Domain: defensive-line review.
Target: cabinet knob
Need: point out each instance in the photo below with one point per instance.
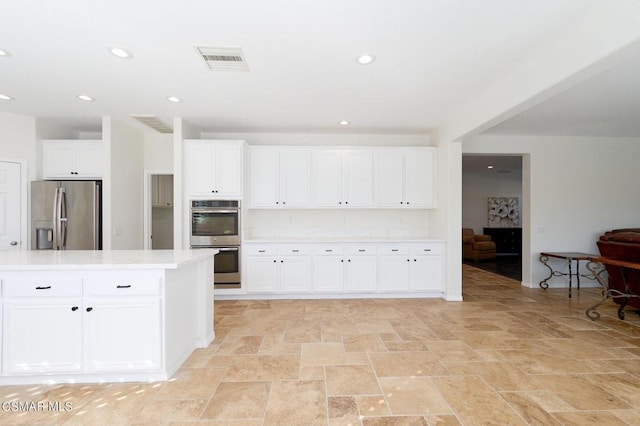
(89, 309)
(408, 260)
(14, 243)
(74, 308)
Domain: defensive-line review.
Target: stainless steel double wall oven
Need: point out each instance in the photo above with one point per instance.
(216, 224)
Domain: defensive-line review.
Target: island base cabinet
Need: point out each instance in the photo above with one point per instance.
(43, 336)
(123, 334)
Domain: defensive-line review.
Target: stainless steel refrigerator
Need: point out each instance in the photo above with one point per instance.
(66, 215)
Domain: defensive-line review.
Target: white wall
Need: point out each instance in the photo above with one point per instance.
(158, 152)
(478, 186)
(18, 141)
(123, 188)
(574, 189)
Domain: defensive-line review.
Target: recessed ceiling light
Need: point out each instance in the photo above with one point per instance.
(365, 59)
(489, 167)
(344, 123)
(85, 98)
(120, 52)
(5, 97)
(174, 99)
(4, 53)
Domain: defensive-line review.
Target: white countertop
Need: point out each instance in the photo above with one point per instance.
(311, 240)
(41, 260)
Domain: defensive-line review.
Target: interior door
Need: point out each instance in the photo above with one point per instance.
(10, 203)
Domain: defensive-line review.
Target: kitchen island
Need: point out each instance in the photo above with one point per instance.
(102, 316)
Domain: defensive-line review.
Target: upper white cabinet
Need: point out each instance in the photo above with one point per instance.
(72, 159)
(317, 177)
(342, 178)
(279, 177)
(213, 169)
(404, 177)
(162, 191)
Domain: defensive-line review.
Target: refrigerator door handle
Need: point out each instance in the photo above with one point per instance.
(63, 219)
(56, 230)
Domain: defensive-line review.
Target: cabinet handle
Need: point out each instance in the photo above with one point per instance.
(394, 249)
(361, 250)
(74, 308)
(328, 251)
(43, 287)
(261, 251)
(89, 309)
(427, 249)
(124, 286)
(295, 251)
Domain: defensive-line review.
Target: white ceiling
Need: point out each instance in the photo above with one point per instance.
(432, 55)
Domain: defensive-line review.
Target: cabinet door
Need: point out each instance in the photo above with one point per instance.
(388, 173)
(357, 178)
(393, 273)
(361, 273)
(228, 169)
(295, 273)
(327, 178)
(123, 334)
(88, 160)
(262, 273)
(328, 273)
(419, 178)
(426, 273)
(295, 165)
(199, 169)
(264, 166)
(59, 160)
(42, 336)
(165, 190)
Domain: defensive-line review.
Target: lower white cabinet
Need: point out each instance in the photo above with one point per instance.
(81, 324)
(123, 334)
(42, 335)
(286, 269)
(349, 268)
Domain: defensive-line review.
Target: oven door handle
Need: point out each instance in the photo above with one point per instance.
(214, 211)
(227, 249)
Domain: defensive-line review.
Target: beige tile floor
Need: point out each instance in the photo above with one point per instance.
(504, 356)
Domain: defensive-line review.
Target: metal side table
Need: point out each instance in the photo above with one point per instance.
(570, 257)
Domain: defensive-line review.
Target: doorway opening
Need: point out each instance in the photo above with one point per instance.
(492, 204)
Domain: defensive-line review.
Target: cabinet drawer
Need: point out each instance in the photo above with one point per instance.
(42, 287)
(393, 249)
(301, 250)
(427, 249)
(123, 285)
(361, 249)
(328, 250)
(252, 250)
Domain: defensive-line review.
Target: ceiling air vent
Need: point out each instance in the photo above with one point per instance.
(153, 122)
(223, 58)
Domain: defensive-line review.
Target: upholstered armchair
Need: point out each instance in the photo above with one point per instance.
(477, 247)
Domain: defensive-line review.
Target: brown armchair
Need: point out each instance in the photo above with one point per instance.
(477, 247)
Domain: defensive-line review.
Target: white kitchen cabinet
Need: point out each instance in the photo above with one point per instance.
(342, 178)
(328, 268)
(426, 267)
(42, 335)
(72, 159)
(279, 177)
(278, 268)
(394, 265)
(123, 334)
(410, 267)
(213, 169)
(404, 177)
(162, 191)
(361, 268)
